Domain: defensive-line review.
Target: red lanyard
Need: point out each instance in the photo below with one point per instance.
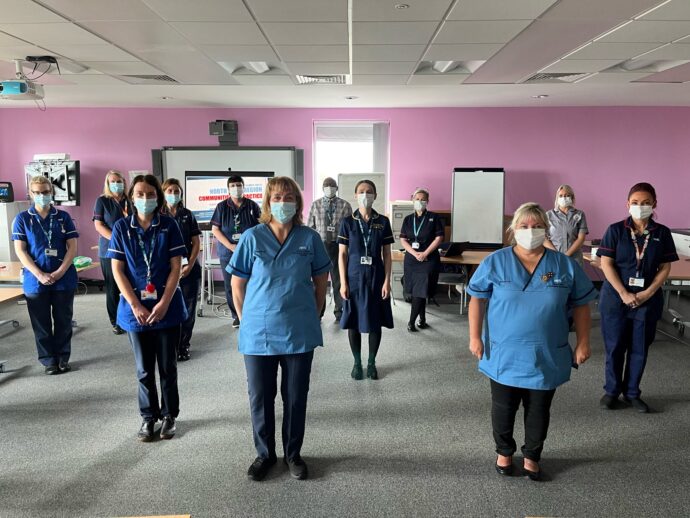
(639, 254)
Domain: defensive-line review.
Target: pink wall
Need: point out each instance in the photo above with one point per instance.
(601, 152)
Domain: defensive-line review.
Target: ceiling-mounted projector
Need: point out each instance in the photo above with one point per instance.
(21, 90)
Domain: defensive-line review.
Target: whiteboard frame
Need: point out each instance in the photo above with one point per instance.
(460, 220)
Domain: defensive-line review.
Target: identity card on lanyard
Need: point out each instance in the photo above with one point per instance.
(415, 243)
(638, 281)
(330, 215)
(236, 234)
(366, 238)
(149, 292)
(50, 251)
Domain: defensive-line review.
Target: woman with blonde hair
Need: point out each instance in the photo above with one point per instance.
(567, 225)
(110, 207)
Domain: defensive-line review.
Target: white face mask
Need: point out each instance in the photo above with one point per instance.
(530, 238)
(419, 205)
(365, 200)
(236, 192)
(565, 201)
(641, 211)
(329, 191)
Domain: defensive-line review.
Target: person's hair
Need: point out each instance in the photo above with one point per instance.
(643, 187)
(282, 184)
(529, 210)
(41, 180)
(235, 178)
(106, 184)
(568, 190)
(421, 190)
(329, 182)
(368, 182)
(153, 182)
(173, 181)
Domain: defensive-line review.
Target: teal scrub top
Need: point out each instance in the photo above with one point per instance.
(526, 325)
(279, 315)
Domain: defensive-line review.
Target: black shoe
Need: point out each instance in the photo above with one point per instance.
(506, 471)
(259, 468)
(372, 372)
(168, 429)
(118, 330)
(638, 404)
(146, 431)
(422, 324)
(411, 328)
(608, 402)
(298, 468)
(357, 372)
(236, 323)
(64, 367)
(532, 475)
(183, 356)
(52, 369)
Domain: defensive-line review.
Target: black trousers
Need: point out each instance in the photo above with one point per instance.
(227, 278)
(112, 292)
(151, 347)
(190, 292)
(50, 313)
(332, 249)
(505, 401)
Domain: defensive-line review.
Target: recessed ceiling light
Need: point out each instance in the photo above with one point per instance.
(166, 98)
(351, 97)
(540, 96)
(402, 6)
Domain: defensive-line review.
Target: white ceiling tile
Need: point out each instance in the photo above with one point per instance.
(299, 10)
(591, 10)
(188, 66)
(306, 33)
(27, 11)
(612, 78)
(80, 10)
(671, 52)
(392, 33)
(675, 10)
(221, 33)
(239, 52)
(138, 36)
(313, 52)
(379, 80)
(319, 68)
(123, 67)
(581, 65)
(92, 52)
(93, 79)
(263, 80)
(383, 67)
(20, 52)
(200, 10)
(649, 31)
(48, 33)
(600, 50)
(385, 11)
(462, 52)
(498, 31)
(387, 52)
(499, 9)
(8, 41)
(437, 79)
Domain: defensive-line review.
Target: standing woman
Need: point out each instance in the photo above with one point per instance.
(146, 250)
(567, 225)
(190, 275)
(421, 234)
(523, 348)
(111, 206)
(364, 260)
(636, 256)
(45, 241)
(279, 276)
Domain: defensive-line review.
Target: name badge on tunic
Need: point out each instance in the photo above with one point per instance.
(149, 295)
(330, 229)
(365, 259)
(236, 237)
(636, 281)
(415, 245)
(185, 261)
(51, 252)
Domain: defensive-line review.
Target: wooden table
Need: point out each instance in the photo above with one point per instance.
(8, 294)
(11, 273)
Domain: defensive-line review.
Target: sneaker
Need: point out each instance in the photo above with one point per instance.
(168, 429)
(422, 324)
(52, 369)
(146, 431)
(236, 323)
(117, 330)
(357, 372)
(298, 468)
(638, 404)
(64, 367)
(260, 467)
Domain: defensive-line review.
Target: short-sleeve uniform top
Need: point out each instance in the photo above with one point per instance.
(189, 228)
(165, 238)
(233, 220)
(40, 235)
(618, 244)
(564, 229)
(365, 310)
(108, 211)
(526, 327)
(279, 315)
(423, 230)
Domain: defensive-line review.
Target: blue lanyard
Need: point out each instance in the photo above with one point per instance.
(414, 224)
(365, 238)
(49, 234)
(147, 258)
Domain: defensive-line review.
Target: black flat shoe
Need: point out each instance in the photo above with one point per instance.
(422, 324)
(532, 475)
(637, 404)
(506, 471)
(183, 356)
(64, 367)
(297, 467)
(608, 402)
(411, 328)
(52, 369)
(357, 372)
(146, 430)
(259, 468)
(372, 373)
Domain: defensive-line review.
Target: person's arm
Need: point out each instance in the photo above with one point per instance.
(218, 234)
(582, 319)
(659, 280)
(311, 220)
(430, 249)
(475, 318)
(187, 268)
(387, 268)
(320, 286)
(70, 254)
(28, 263)
(608, 265)
(342, 269)
(103, 229)
(239, 289)
(577, 244)
(161, 308)
(140, 312)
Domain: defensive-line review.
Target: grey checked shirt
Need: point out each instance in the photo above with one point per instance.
(328, 212)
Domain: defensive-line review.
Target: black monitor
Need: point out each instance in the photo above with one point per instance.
(6, 192)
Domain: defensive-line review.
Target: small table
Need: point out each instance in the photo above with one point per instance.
(8, 294)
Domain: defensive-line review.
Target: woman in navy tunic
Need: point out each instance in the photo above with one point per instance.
(636, 256)
(421, 234)
(364, 260)
(110, 207)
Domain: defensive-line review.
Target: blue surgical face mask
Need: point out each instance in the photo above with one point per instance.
(283, 211)
(146, 206)
(173, 199)
(43, 200)
(116, 187)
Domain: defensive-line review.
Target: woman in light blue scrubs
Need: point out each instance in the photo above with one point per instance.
(518, 320)
(279, 275)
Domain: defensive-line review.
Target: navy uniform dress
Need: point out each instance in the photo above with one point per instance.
(50, 307)
(628, 332)
(366, 311)
(421, 277)
(109, 211)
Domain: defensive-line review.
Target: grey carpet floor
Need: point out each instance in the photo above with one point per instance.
(415, 443)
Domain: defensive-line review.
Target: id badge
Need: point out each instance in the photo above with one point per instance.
(185, 261)
(636, 281)
(366, 259)
(51, 252)
(236, 237)
(415, 245)
(149, 295)
(330, 229)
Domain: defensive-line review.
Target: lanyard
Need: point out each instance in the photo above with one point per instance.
(330, 210)
(49, 234)
(639, 254)
(147, 258)
(365, 238)
(414, 225)
(237, 221)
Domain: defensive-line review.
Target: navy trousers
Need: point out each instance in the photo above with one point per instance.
(190, 292)
(151, 347)
(112, 292)
(50, 313)
(262, 373)
(626, 341)
(228, 288)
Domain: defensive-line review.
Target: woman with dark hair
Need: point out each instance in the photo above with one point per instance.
(636, 256)
(146, 250)
(364, 260)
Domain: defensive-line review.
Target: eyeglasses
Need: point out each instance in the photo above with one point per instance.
(44, 193)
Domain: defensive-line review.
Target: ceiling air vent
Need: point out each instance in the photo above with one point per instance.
(562, 77)
(145, 79)
(337, 79)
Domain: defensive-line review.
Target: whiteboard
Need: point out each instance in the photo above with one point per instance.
(478, 205)
(346, 189)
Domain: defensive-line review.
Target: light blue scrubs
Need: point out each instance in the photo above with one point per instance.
(526, 325)
(279, 315)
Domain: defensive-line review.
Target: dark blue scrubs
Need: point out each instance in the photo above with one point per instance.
(421, 277)
(366, 311)
(628, 332)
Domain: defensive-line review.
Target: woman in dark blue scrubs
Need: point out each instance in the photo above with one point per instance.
(110, 207)
(45, 241)
(190, 275)
(636, 256)
(364, 260)
(146, 249)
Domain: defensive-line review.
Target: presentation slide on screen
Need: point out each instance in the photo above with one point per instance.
(203, 193)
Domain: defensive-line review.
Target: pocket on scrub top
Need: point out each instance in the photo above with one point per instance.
(517, 357)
